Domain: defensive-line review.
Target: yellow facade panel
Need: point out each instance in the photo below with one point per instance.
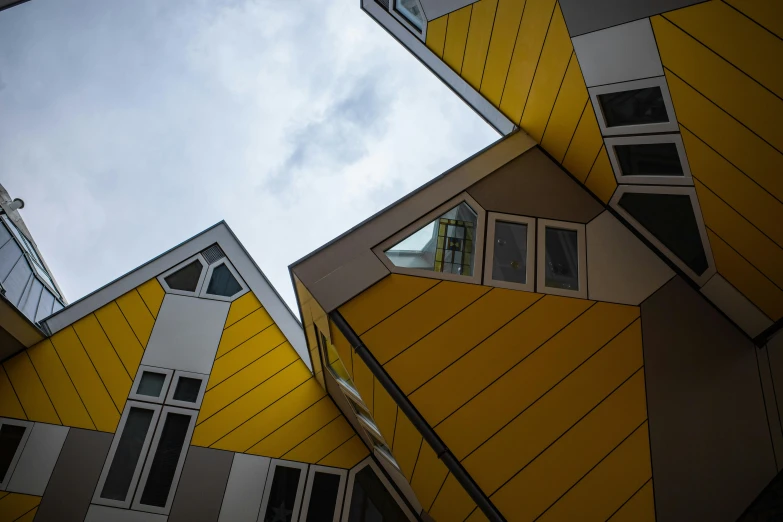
(763, 12)
(407, 442)
(606, 487)
(464, 379)
(96, 398)
(16, 505)
(347, 455)
(482, 19)
(29, 516)
(137, 314)
(121, 337)
(9, 403)
(457, 37)
(453, 502)
(536, 487)
(241, 308)
(245, 354)
(344, 349)
(419, 317)
(152, 294)
(639, 508)
(59, 386)
(428, 476)
(457, 336)
(585, 145)
(436, 35)
(566, 113)
(601, 180)
(385, 412)
(363, 379)
(555, 57)
(243, 330)
(106, 361)
(297, 429)
(501, 47)
(322, 442)
(529, 380)
(29, 390)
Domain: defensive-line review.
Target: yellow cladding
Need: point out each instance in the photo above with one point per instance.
(455, 337)
(765, 13)
(322, 442)
(243, 330)
(501, 47)
(152, 294)
(718, 80)
(639, 508)
(297, 429)
(566, 113)
(457, 37)
(601, 180)
(347, 455)
(137, 314)
(555, 57)
(363, 380)
(14, 506)
(428, 476)
(121, 336)
(585, 145)
(246, 353)
(383, 299)
(540, 484)
(527, 49)
(407, 441)
(606, 487)
(59, 386)
(343, 348)
(29, 516)
(9, 403)
(105, 359)
(385, 414)
(533, 377)
(482, 19)
(436, 35)
(419, 317)
(468, 376)
(241, 308)
(91, 389)
(28, 388)
(453, 502)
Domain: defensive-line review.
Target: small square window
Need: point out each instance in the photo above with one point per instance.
(562, 260)
(635, 107)
(187, 389)
(649, 160)
(510, 249)
(151, 384)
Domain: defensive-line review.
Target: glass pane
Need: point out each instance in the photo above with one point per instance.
(637, 107)
(186, 278)
(335, 363)
(10, 437)
(282, 497)
(223, 282)
(118, 480)
(509, 260)
(151, 384)
(164, 464)
(371, 502)
(562, 259)
(323, 497)
(649, 159)
(411, 11)
(444, 245)
(187, 389)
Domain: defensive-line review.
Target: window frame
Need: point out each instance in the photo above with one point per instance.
(315, 468)
(382, 477)
(685, 179)
(270, 478)
(195, 293)
(34, 259)
(530, 262)
(134, 396)
(173, 388)
(581, 245)
(205, 283)
(28, 428)
(421, 35)
(646, 128)
(478, 242)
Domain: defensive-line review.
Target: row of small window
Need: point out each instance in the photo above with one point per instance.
(32, 255)
(211, 265)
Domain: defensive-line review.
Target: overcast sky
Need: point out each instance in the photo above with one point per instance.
(129, 126)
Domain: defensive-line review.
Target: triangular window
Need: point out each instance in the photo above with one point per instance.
(186, 278)
(222, 282)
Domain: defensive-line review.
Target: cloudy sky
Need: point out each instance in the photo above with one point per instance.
(129, 126)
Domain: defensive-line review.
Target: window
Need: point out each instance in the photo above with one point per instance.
(654, 160)
(207, 274)
(636, 107)
(222, 282)
(13, 436)
(562, 259)
(32, 255)
(151, 384)
(372, 499)
(187, 389)
(187, 277)
(323, 494)
(283, 493)
(510, 254)
(412, 12)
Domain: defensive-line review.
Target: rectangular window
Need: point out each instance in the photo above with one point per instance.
(13, 436)
(634, 107)
(151, 384)
(649, 160)
(562, 258)
(283, 493)
(187, 389)
(509, 262)
(372, 498)
(323, 494)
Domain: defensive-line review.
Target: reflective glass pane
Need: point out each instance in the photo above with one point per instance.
(443, 245)
(164, 464)
(411, 10)
(562, 259)
(10, 438)
(649, 159)
(151, 384)
(636, 107)
(222, 282)
(187, 389)
(323, 497)
(282, 496)
(509, 259)
(371, 502)
(186, 278)
(126, 457)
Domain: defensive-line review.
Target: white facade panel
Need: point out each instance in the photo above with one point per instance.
(104, 514)
(242, 500)
(37, 461)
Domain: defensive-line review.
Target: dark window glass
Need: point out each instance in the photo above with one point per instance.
(126, 456)
(561, 268)
(223, 282)
(164, 464)
(323, 497)
(10, 438)
(649, 159)
(186, 278)
(187, 389)
(509, 260)
(151, 384)
(282, 497)
(670, 218)
(371, 502)
(637, 107)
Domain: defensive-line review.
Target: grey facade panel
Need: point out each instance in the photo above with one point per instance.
(36, 464)
(109, 514)
(201, 485)
(709, 437)
(5, 235)
(585, 16)
(71, 486)
(45, 305)
(17, 280)
(436, 8)
(29, 304)
(242, 500)
(775, 354)
(771, 404)
(9, 255)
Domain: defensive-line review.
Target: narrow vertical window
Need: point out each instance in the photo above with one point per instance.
(125, 462)
(371, 501)
(11, 436)
(323, 497)
(282, 497)
(509, 262)
(165, 467)
(562, 259)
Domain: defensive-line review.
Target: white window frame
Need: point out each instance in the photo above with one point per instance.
(150, 456)
(314, 468)
(685, 179)
(205, 284)
(28, 426)
(270, 478)
(478, 243)
(204, 269)
(421, 35)
(382, 477)
(541, 287)
(156, 410)
(173, 388)
(658, 81)
(530, 261)
(133, 395)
